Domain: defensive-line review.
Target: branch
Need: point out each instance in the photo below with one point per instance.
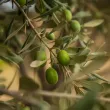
(19, 96)
(65, 95)
(32, 26)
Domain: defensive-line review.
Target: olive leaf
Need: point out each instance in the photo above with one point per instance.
(91, 85)
(15, 32)
(28, 45)
(82, 14)
(49, 24)
(28, 84)
(86, 103)
(7, 54)
(93, 65)
(63, 104)
(4, 106)
(95, 55)
(37, 63)
(93, 23)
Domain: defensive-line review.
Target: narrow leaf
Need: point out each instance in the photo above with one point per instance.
(37, 63)
(94, 23)
(28, 84)
(15, 32)
(28, 45)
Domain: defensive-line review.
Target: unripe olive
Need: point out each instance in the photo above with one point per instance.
(67, 14)
(2, 64)
(25, 108)
(21, 2)
(50, 36)
(41, 55)
(75, 26)
(2, 30)
(63, 58)
(51, 75)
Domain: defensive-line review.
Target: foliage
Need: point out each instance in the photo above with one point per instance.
(62, 47)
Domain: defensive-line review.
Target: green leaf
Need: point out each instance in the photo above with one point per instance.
(79, 58)
(28, 45)
(37, 63)
(72, 51)
(63, 104)
(106, 86)
(62, 41)
(49, 24)
(47, 12)
(84, 51)
(86, 103)
(96, 55)
(2, 86)
(10, 27)
(91, 85)
(9, 55)
(16, 58)
(82, 14)
(4, 106)
(100, 77)
(28, 84)
(93, 65)
(15, 32)
(93, 23)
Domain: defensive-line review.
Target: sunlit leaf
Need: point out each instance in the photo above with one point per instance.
(82, 14)
(97, 54)
(93, 23)
(63, 104)
(37, 63)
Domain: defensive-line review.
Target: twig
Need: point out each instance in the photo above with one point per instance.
(35, 102)
(65, 95)
(19, 96)
(32, 26)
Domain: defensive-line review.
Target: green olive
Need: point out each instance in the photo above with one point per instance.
(75, 26)
(67, 14)
(25, 108)
(41, 55)
(51, 75)
(63, 58)
(2, 30)
(50, 36)
(21, 2)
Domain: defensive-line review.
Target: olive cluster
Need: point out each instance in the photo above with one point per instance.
(62, 56)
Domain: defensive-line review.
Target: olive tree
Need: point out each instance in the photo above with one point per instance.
(46, 56)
